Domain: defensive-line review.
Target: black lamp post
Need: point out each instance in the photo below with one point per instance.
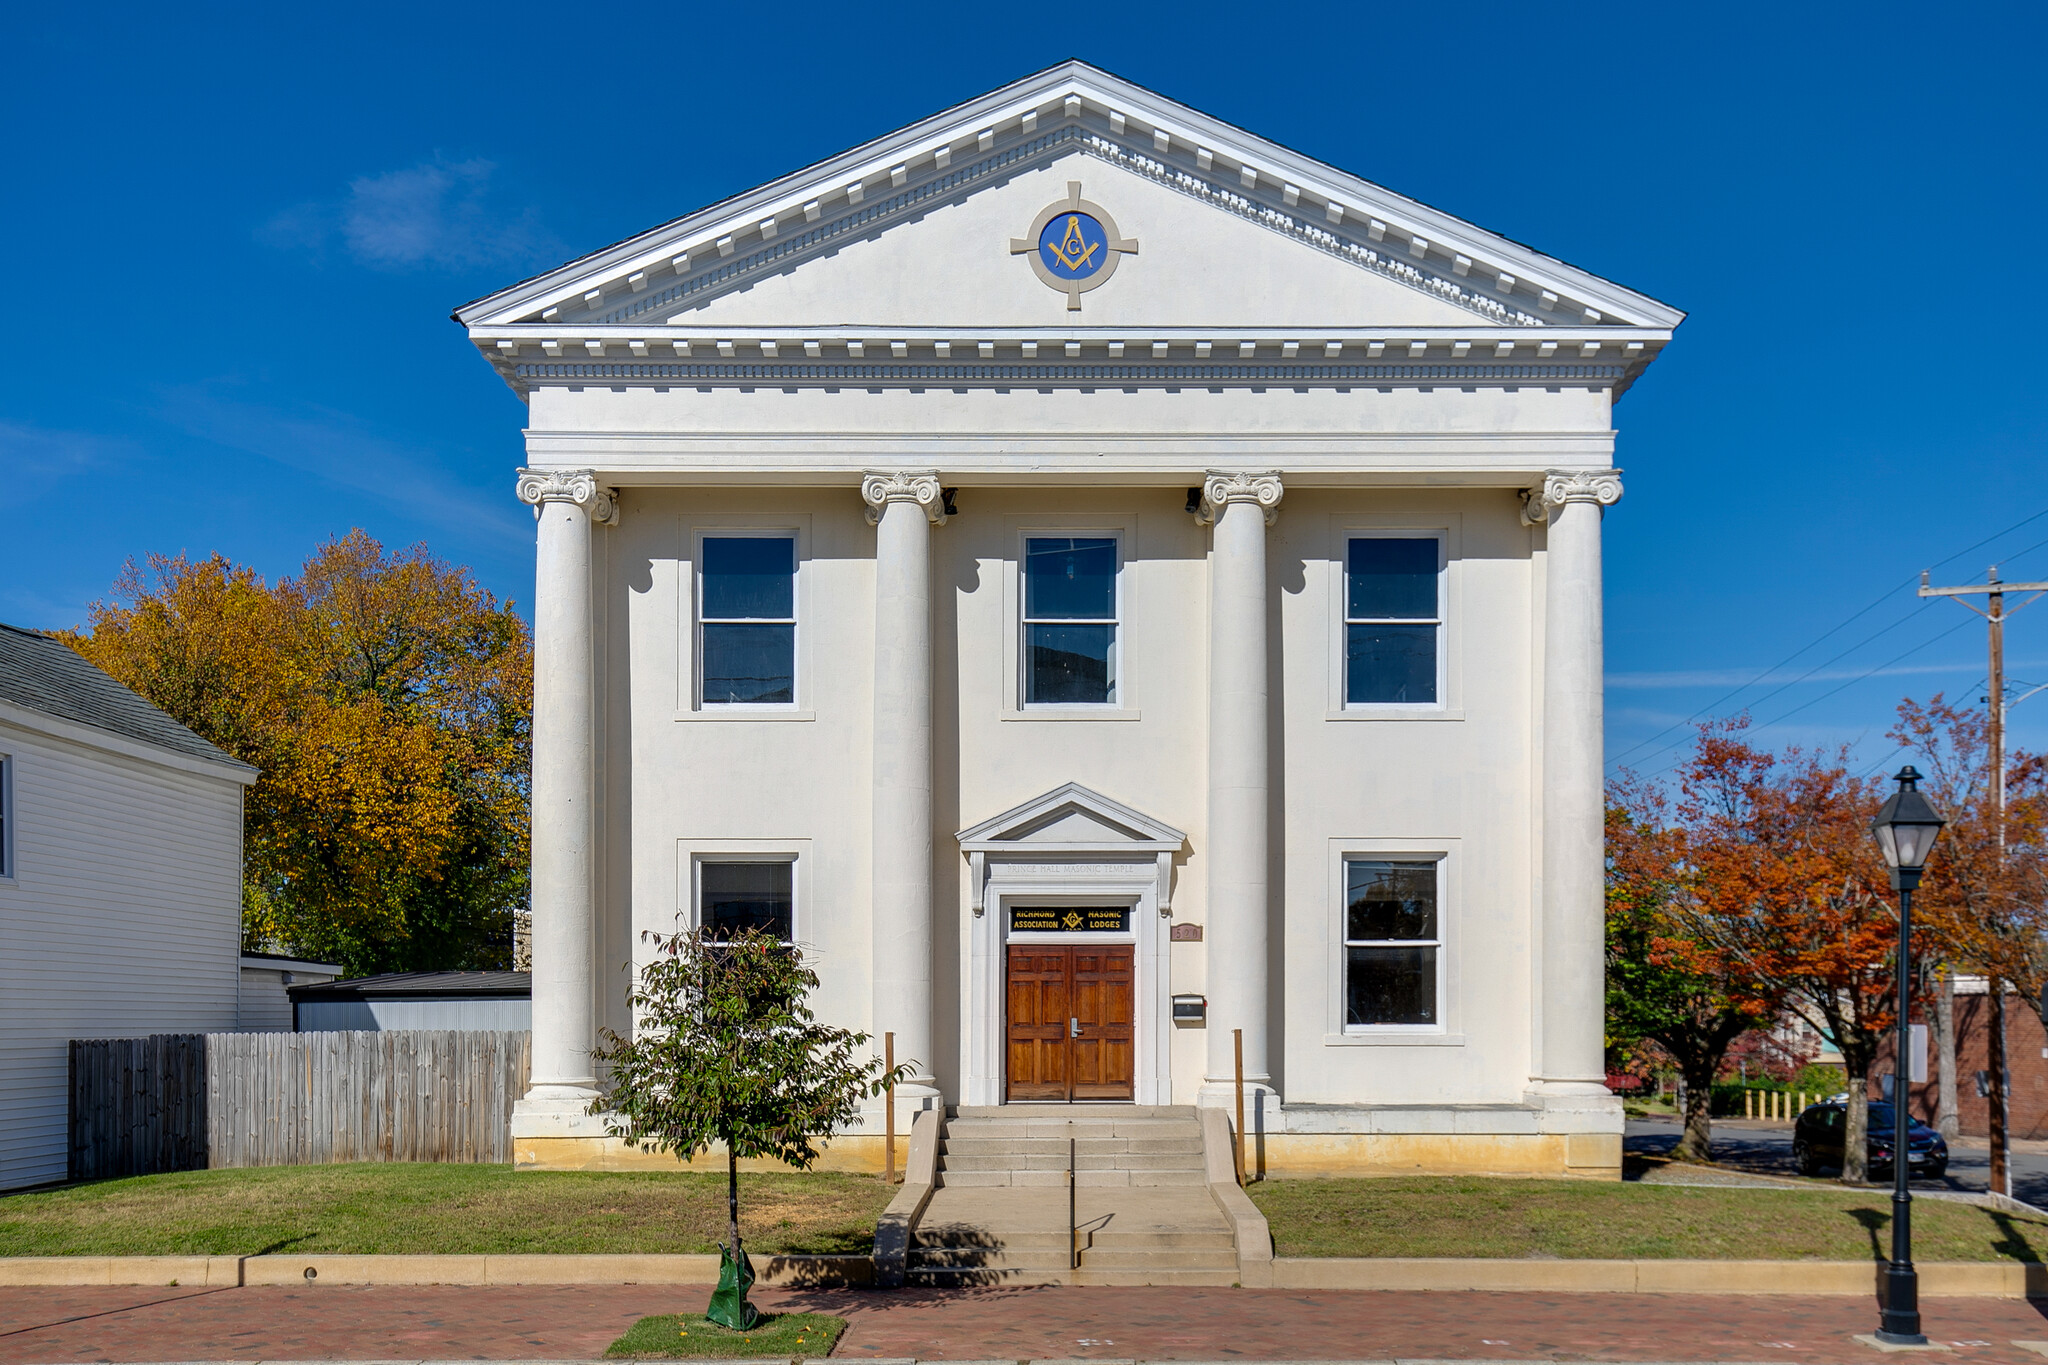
(1906, 828)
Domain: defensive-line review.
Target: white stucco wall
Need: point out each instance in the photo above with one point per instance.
(685, 781)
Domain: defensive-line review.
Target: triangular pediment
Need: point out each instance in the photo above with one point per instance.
(1072, 818)
(914, 230)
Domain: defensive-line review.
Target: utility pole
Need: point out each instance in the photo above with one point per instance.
(1995, 614)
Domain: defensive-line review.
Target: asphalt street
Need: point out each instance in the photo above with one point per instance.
(1767, 1148)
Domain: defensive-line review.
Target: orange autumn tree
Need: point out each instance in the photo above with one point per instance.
(1786, 887)
(1664, 983)
(1984, 901)
(387, 701)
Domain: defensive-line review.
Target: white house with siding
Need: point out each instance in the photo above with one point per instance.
(120, 883)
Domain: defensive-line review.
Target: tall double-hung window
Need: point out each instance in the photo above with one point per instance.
(1393, 620)
(1070, 621)
(746, 620)
(1393, 940)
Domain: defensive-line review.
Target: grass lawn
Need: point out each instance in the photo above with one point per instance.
(453, 1209)
(1484, 1216)
(693, 1335)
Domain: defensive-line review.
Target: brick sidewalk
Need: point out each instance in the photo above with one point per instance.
(445, 1322)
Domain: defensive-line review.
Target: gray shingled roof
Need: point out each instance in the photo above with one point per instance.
(47, 675)
(419, 986)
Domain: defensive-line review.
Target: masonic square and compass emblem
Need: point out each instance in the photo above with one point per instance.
(1073, 246)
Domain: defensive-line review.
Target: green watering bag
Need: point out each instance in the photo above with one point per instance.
(729, 1306)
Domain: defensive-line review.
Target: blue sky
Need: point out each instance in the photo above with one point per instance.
(239, 232)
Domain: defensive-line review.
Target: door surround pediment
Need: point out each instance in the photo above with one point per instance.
(1071, 834)
(1070, 845)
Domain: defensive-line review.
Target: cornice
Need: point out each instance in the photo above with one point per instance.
(1071, 106)
(831, 357)
(1170, 459)
(531, 374)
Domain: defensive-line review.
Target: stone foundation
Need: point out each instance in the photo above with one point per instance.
(1579, 1156)
(853, 1152)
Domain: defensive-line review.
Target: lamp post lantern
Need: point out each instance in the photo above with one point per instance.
(1906, 828)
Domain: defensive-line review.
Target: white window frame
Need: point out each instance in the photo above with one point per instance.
(1446, 1031)
(1347, 620)
(693, 912)
(1446, 528)
(699, 707)
(1118, 707)
(6, 817)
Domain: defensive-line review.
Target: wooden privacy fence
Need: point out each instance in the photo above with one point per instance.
(187, 1101)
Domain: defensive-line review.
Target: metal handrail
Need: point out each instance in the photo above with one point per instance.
(1073, 1205)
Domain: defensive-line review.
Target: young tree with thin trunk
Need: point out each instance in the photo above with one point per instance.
(725, 1051)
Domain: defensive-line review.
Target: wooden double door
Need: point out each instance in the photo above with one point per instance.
(1068, 1033)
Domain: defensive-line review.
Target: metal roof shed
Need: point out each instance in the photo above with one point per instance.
(416, 1000)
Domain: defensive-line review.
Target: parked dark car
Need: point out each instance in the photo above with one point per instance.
(1817, 1141)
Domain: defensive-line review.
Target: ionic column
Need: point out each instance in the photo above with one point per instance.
(903, 506)
(1242, 506)
(565, 502)
(1573, 1059)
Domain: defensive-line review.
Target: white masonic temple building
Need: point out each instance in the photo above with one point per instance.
(1111, 588)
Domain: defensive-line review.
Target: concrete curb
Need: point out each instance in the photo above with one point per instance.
(908, 1360)
(789, 1272)
(1938, 1279)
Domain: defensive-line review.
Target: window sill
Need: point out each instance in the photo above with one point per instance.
(1073, 713)
(1396, 713)
(1394, 1037)
(746, 713)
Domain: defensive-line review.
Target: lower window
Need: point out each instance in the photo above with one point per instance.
(734, 896)
(1392, 943)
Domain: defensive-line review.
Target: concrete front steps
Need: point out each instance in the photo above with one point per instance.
(1144, 1211)
(1027, 1144)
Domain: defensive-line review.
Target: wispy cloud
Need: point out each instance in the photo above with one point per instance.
(338, 448)
(439, 213)
(1736, 677)
(48, 452)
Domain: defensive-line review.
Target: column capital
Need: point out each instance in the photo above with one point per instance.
(1561, 486)
(880, 487)
(1224, 486)
(580, 486)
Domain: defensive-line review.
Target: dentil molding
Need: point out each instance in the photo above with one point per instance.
(1601, 487)
(880, 487)
(1227, 486)
(579, 486)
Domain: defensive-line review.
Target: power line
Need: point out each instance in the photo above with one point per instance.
(1848, 683)
(1851, 620)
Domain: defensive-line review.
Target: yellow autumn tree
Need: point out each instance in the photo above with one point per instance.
(387, 701)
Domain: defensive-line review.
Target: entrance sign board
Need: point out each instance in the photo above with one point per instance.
(1068, 919)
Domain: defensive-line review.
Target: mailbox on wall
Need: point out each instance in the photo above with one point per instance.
(1190, 1011)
